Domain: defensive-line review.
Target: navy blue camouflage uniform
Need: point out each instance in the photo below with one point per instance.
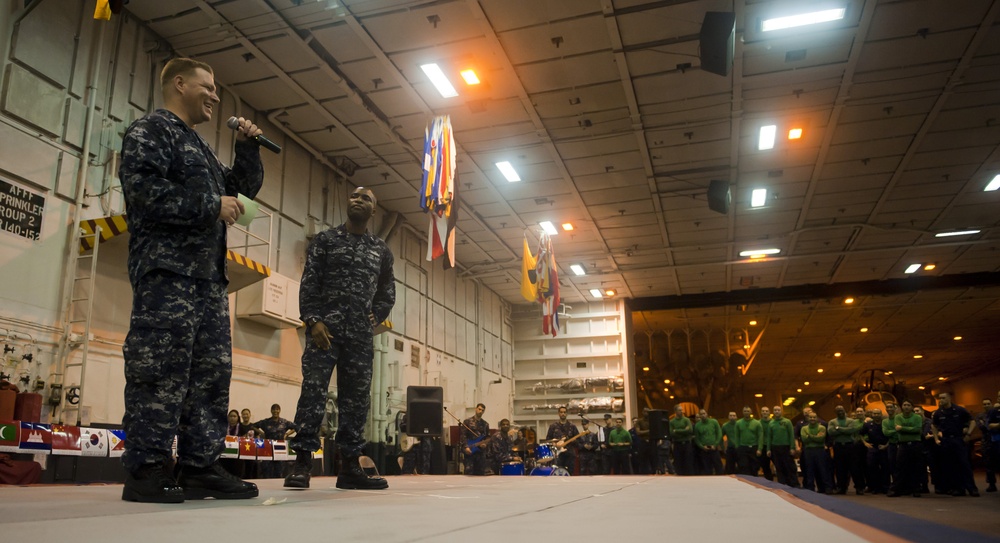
(477, 462)
(273, 429)
(178, 351)
(564, 431)
(347, 279)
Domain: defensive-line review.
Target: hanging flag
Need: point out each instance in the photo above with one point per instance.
(437, 194)
(548, 285)
(103, 10)
(66, 440)
(529, 276)
(10, 436)
(93, 442)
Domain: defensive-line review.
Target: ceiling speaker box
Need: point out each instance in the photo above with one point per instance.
(718, 38)
(719, 196)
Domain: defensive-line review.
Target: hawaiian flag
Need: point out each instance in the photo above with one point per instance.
(66, 440)
(248, 447)
(35, 437)
(438, 195)
(10, 436)
(93, 442)
(265, 450)
(232, 449)
(280, 450)
(116, 443)
(547, 275)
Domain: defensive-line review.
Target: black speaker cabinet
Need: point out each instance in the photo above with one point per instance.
(719, 196)
(659, 425)
(424, 410)
(718, 35)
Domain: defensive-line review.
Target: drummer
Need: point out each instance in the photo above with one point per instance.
(561, 432)
(501, 447)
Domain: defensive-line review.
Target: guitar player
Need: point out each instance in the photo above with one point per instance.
(561, 432)
(475, 441)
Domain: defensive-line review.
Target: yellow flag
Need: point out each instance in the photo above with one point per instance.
(103, 10)
(529, 281)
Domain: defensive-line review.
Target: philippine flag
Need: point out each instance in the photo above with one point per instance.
(94, 442)
(116, 443)
(66, 440)
(35, 437)
(10, 436)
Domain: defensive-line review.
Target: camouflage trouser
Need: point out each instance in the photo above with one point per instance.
(353, 360)
(178, 363)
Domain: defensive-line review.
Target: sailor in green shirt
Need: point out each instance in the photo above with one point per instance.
(780, 439)
(814, 455)
(889, 429)
(749, 443)
(765, 459)
(682, 434)
(729, 433)
(708, 439)
(620, 442)
(846, 431)
(910, 459)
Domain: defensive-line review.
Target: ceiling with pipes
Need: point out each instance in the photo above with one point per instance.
(611, 115)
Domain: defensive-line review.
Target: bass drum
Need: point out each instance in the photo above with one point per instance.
(545, 471)
(512, 468)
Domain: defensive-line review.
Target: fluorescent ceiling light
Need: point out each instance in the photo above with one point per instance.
(440, 81)
(470, 77)
(549, 228)
(596, 293)
(508, 171)
(578, 269)
(912, 268)
(767, 135)
(994, 185)
(760, 252)
(802, 19)
(956, 233)
(758, 197)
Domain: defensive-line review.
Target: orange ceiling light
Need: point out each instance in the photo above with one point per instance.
(610, 292)
(470, 77)
(567, 226)
(848, 300)
(795, 134)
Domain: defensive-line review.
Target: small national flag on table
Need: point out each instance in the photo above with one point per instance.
(265, 449)
(66, 440)
(10, 436)
(94, 442)
(35, 437)
(280, 449)
(116, 443)
(248, 447)
(232, 449)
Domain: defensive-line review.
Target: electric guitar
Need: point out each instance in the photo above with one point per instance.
(473, 444)
(572, 439)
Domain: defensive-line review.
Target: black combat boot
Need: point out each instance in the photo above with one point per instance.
(301, 470)
(152, 484)
(352, 477)
(213, 482)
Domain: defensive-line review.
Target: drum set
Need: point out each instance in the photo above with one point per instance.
(534, 459)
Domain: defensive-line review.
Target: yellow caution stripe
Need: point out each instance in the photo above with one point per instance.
(252, 264)
(110, 227)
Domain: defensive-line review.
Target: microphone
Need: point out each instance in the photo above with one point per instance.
(234, 123)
